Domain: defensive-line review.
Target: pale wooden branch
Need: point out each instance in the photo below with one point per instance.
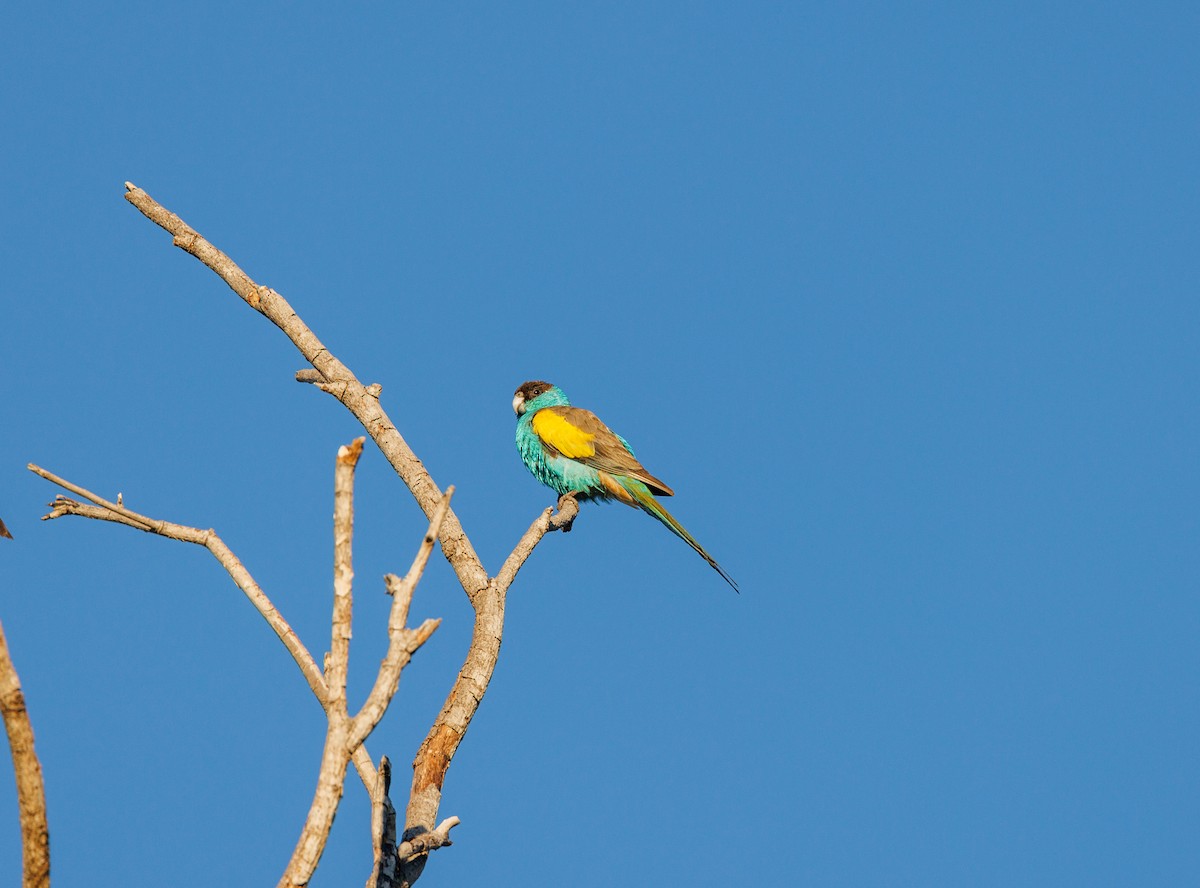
(402, 642)
(383, 831)
(486, 594)
(548, 521)
(331, 779)
(568, 511)
(438, 837)
(440, 744)
(346, 734)
(337, 380)
(343, 575)
(434, 757)
(436, 751)
(388, 857)
(108, 511)
(31, 792)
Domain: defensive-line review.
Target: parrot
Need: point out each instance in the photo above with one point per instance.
(572, 452)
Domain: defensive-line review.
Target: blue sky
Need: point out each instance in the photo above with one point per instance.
(901, 300)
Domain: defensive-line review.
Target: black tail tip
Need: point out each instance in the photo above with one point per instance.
(727, 578)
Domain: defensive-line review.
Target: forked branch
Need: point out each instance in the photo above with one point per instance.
(338, 379)
(103, 510)
(486, 594)
(345, 734)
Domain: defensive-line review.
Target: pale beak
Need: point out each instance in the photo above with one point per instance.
(518, 404)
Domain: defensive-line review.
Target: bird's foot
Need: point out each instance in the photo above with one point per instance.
(568, 509)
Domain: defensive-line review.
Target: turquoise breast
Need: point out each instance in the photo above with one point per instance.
(556, 472)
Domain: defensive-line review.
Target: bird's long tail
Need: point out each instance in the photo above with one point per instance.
(645, 500)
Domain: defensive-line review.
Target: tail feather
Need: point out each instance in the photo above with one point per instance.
(646, 501)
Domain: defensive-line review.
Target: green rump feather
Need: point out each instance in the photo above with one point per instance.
(646, 501)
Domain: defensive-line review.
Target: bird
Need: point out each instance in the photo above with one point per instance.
(572, 452)
(4, 531)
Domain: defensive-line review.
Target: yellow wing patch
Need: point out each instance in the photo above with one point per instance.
(569, 440)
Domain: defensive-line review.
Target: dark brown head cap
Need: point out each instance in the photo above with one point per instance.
(530, 390)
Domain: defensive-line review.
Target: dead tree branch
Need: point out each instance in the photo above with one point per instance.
(345, 734)
(383, 831)
(31, 791)
(401, 640)
(486, 594)
(332, 777)
(117, 512)
(337, 380)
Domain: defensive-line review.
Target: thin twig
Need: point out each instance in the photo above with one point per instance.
(436, 838)
(31, 791)
(107, 511)
(402, 642)
(543, 524)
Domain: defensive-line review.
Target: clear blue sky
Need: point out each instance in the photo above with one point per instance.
(901, 301)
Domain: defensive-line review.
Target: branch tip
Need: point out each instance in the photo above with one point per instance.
(424, 631)
(439, 515)
(348, 454)
(385, 774)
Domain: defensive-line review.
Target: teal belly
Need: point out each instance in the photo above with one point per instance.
(560, 474)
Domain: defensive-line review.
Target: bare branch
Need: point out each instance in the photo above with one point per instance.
(409, 583)
(337, 380)
(568, 510)
(107, 511)
(430, 841)
(345, 734)
(331, 779)
(402, 642)
(440, 744)
(383, 831)
(31, 792)
(487, 595)
(562, 520)
(343, 575)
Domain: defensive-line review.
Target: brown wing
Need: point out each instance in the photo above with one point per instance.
(586, 439)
